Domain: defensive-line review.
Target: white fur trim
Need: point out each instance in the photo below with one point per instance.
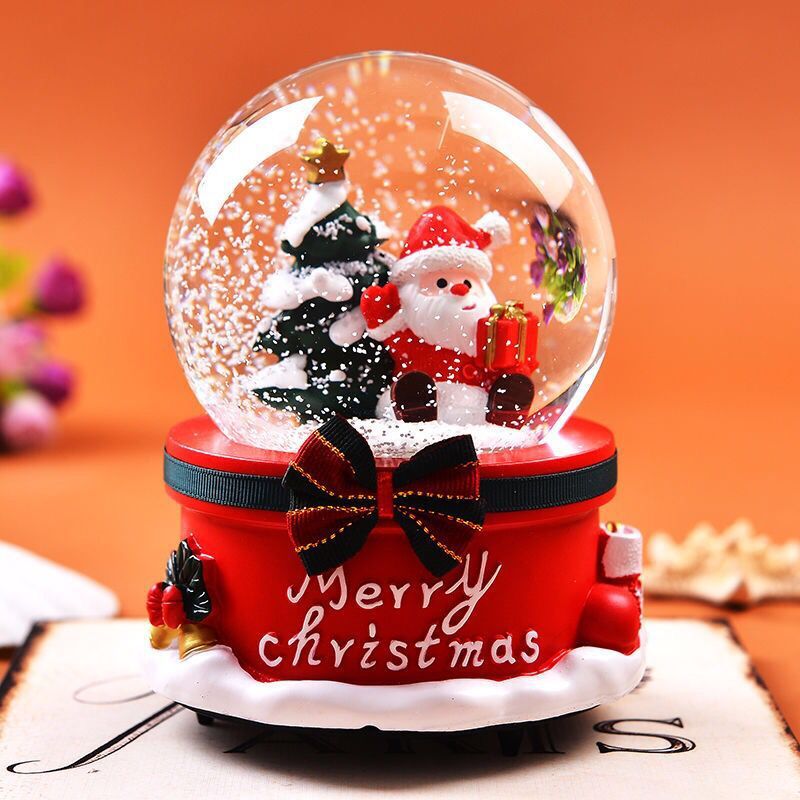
(388, 328)
(449, 256)
(212, 680)
(496, 225)
(622, 556)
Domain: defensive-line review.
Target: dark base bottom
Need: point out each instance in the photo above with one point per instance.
(507, 740)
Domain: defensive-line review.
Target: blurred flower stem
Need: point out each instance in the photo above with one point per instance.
(32, 384)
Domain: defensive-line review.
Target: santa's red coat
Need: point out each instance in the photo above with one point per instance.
(412, 354)
(381, 304)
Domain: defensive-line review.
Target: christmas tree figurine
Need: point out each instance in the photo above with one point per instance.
(326, 364)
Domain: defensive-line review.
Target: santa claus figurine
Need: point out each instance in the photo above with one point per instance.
(428, 316)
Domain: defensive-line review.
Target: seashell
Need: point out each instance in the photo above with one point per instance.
(737, 563)
(34, 589)
(699, 567)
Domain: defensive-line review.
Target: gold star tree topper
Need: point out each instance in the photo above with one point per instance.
(325, 161)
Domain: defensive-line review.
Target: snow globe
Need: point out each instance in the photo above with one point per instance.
(390, 280)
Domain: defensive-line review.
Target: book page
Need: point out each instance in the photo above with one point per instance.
(77, 721)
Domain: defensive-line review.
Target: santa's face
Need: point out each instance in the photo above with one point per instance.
(443, 307)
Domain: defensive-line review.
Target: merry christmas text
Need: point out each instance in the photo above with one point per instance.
(307, 646)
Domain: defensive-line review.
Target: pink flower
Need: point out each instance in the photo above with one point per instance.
(27, 420)
(58, 288)
(51, 380)
(15, 194)
(20, 343)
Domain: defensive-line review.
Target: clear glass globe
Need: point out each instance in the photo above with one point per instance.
(398, 238)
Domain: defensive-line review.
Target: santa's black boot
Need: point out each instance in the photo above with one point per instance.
(510, 400)
(414, 397)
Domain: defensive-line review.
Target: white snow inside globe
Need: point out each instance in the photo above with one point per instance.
(397, 238)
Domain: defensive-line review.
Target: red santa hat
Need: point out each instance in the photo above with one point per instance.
(441, 239)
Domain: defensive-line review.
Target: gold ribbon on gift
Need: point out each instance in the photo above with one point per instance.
(190, 638)
(511, 309)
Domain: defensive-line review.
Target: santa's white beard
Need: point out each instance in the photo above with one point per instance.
(442, 321)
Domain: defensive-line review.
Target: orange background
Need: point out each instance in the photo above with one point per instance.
(688, 115)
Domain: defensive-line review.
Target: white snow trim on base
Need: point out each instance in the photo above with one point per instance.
(284, 290)
(289, 373)
(318, 201)
(622, 556)
(212, 680)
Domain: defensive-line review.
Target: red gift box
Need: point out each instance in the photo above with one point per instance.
(507, 337)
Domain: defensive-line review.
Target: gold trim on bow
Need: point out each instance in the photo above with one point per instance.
(511, 309)
(190, 638)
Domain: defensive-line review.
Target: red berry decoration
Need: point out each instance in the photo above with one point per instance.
(154, 612)
(172, 607)
(183, 596)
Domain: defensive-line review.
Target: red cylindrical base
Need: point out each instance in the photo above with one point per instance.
(514, 607)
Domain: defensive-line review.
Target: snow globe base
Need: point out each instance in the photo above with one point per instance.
(541, 616)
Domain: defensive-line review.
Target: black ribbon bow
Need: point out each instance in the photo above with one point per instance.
(337, 496)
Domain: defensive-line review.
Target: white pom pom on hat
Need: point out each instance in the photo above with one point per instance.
(496, 225)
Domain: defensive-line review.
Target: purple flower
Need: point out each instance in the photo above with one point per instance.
(20, 343)
(542, 215)
(53, 381)
(547, 313)
(537, 272)
(27, 420)
(58, 288)
(15, 194)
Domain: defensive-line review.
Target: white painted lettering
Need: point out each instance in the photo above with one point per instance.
(305, 636)
(367, 596)
(507, 654)
(397, 648)
(268, 638)
(398, 592)
(423, 662)
(338, 652)
(473, 593)
(531, 643)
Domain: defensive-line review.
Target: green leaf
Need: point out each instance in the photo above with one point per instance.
(185, 570)
(12, 268)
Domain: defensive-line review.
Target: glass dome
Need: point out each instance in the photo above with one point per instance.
(398, 238)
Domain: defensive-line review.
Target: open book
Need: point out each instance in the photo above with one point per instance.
(76, 721)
